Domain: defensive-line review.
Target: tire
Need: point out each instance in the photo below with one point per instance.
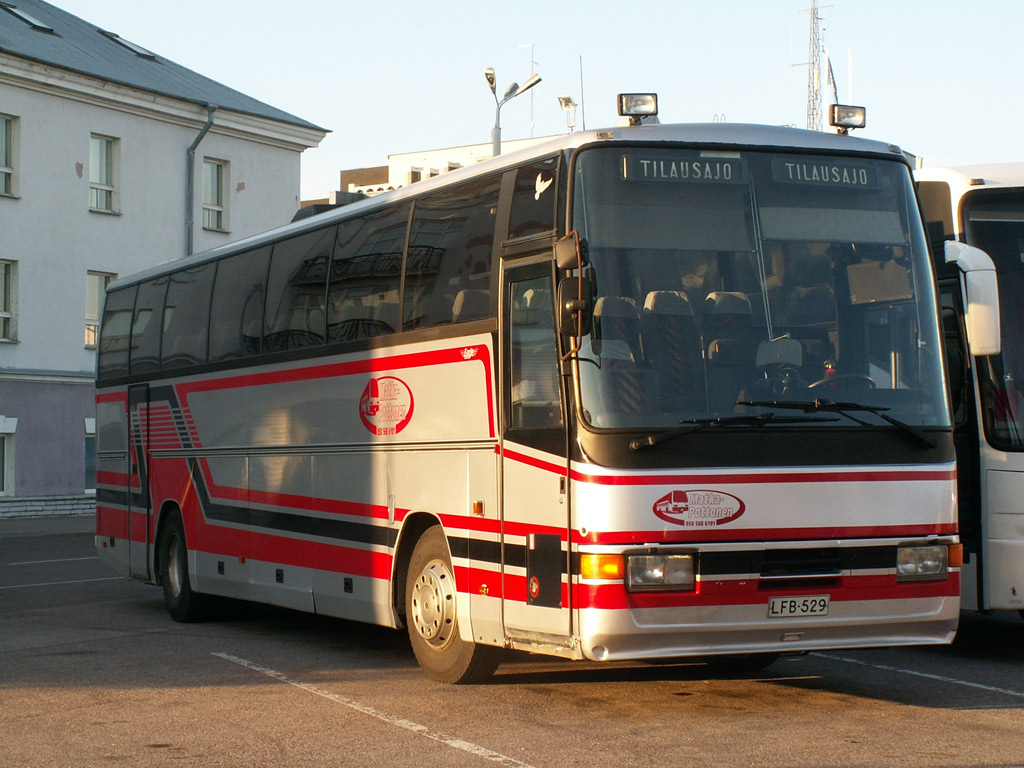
(184, 604)
(432, 620)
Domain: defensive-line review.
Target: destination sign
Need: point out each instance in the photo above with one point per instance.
(677, 168)
(824, 172)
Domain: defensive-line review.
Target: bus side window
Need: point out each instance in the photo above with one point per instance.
(187, 317)
(450, 250)
(236, 311)
(147, 326)
(366, 270)
(533, 356)
(534, 199)
(115, 333)
(296, 310)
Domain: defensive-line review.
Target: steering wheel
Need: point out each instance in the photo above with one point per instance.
(840, 377)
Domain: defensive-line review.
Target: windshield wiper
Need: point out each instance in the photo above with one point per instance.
(820, 404)
(696, 425)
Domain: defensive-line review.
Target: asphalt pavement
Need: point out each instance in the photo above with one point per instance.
(11, 527)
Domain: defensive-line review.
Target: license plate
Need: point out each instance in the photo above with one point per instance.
(811, 605)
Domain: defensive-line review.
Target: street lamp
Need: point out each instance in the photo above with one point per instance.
(513, 90)
(569, 107)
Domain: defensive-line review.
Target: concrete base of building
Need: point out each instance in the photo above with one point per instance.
(47, 506)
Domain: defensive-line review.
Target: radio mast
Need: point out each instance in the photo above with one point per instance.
(814, 68)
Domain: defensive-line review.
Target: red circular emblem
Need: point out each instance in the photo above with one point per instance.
(385, 406)
(534, 586)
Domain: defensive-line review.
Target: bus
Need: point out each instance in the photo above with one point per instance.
(643, 393)
(983, 206)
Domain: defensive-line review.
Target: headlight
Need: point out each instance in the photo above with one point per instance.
(917, 563)
(661, 572)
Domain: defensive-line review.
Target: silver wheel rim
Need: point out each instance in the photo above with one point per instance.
(175, 574)
(433, 605)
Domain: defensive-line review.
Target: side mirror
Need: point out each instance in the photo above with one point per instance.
(571, 252)
(981, 290)
(575, 302)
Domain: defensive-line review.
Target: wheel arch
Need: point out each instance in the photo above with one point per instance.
(413, 527)
(169, 509)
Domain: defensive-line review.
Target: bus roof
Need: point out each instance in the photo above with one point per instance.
(964, 177)
(727, 135)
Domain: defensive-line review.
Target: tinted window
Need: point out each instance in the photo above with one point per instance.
(535, 199)
(147, 325)
(115, 333)
(362, 296)
(449, 262)
(236, 314)
(296, 290)
(186, 317)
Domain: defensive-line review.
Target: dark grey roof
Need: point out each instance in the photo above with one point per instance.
(79, 46)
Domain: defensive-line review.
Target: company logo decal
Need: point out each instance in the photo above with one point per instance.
(698, 508)
(468, 353)
(385, 406)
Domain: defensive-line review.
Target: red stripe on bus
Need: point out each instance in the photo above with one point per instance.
(862, 588)
(705, 535)
(119, 396)
(810, 476)
(480, 354)
(855, 476)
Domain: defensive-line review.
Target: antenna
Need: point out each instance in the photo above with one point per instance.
(532, 65)
(814, 68)
(583, 98)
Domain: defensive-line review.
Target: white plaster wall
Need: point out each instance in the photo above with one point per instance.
(55, 239)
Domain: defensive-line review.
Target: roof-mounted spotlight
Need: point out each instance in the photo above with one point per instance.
(637, 106)
(843, 117)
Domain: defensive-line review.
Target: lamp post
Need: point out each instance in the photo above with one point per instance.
(513, 90)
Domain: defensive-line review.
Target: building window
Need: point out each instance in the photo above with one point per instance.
(95, 289)
(7, 429)
(7, 299)
(103, 173)
(90, 456)
(215, 179)
(7, 155)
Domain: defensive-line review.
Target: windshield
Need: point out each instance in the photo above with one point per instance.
(994, 222)
(721, 277)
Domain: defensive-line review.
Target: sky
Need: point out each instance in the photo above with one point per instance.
(402, 76)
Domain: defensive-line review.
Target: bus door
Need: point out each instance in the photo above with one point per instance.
(535, 504)
(138, 480)
(966, 441)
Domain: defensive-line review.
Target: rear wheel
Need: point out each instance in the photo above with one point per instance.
(431, 616)
(182, 602)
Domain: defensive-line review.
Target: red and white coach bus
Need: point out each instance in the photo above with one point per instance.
(640, 393)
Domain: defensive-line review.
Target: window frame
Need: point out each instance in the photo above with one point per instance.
(8, 427)
(104, 185)
(215, 211)
(8, 156)
(8, 301)
(89, 444)
(93, 323)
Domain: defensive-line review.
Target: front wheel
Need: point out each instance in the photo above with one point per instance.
(432, 618)
(182, 602)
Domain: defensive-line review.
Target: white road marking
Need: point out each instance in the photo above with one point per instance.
(400, 722)
(59, 583)
(61, 560)
(927, 675)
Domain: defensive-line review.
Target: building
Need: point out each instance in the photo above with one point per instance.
(112, 159)
(409, 167)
